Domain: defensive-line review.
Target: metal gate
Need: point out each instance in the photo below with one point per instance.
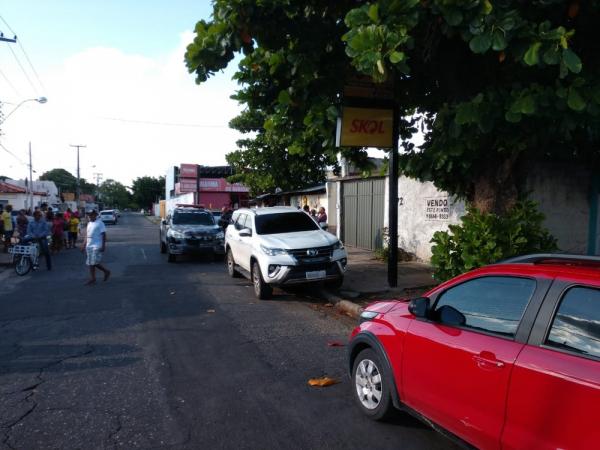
(362, 213)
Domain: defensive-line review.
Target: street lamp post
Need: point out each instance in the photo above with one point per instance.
(41, 100)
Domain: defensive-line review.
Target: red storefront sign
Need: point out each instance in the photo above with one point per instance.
(220, 185)
(188, 171)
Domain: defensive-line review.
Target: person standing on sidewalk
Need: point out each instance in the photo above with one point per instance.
(38, 229)
(94, 245)
(9, 228)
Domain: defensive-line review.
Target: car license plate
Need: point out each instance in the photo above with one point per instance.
(315, 275)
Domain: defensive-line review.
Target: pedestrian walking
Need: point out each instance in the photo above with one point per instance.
(94, 245)
(38, 229)
(8, 226)
(73, 230)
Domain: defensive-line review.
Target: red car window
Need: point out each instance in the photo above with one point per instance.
(491, 304)
(576, 325)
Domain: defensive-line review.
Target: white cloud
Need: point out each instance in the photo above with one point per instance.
(94, 86)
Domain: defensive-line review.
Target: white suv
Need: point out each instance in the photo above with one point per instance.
(282, 246)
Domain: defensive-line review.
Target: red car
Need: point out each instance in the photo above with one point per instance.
(506, 356)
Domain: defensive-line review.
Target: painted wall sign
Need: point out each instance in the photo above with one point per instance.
(366, 127)
(438, 208)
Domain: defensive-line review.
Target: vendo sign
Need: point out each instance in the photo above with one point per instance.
(366, 127)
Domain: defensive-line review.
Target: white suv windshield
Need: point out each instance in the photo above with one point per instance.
(284, 223)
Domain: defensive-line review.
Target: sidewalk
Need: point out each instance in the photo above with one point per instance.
(366, 277)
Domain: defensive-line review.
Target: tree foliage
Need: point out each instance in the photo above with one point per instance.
(65, 181)
(290, 79)
(493, 85)
(114, 194)
(148, 190)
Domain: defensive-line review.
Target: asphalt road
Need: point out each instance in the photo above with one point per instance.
(174, 356)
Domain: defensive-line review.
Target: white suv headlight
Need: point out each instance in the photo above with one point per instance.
(175, 234)
(273, 251)
(338, 245)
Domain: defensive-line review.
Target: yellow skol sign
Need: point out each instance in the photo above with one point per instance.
(366, 127)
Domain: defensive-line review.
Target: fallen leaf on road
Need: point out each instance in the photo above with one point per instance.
(335, 344)
(210, 310)
(322, 382)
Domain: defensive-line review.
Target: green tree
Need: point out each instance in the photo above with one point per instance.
(114, 194)
(148, 190)
(64, 180)
(493, 85)
(290, 77)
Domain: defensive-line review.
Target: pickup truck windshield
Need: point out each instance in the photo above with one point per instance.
(284, 223)
(193, 218)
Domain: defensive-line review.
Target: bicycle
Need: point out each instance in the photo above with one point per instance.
(25, 257)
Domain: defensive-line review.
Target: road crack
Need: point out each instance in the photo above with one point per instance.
(32, 391)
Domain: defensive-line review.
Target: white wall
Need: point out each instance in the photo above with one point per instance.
(422, 210)
(315, 201)
(20, 201)
(173, 201)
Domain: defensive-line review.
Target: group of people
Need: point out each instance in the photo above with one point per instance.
(63, 228)
(320, 217)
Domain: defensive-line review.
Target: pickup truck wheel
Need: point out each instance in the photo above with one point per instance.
(171, 257)
(262, 290)
(231, 265)
(163, 247)
(372, 386)
(335, 284)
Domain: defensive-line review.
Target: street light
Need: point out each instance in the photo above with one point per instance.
(41, 100)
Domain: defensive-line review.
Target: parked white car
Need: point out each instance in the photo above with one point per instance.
(108, 216)
(282, 246)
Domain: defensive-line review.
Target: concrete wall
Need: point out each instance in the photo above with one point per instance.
(422, 210)
(562, 192)
(20, 201)
(186, 199)
(333, 206)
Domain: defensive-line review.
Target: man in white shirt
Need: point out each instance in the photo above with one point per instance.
(94, 245)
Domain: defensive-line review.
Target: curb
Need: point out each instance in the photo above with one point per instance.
(152, 219)
(345, 306)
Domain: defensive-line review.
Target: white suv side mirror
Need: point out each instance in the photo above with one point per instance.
(245, 232)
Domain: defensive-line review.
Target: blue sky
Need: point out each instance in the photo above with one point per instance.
(53, 30)
(111, 70)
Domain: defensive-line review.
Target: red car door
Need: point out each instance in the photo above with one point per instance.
(554, 395)
(457, 374)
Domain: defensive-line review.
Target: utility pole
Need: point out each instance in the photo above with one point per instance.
(78, 190)
(30, 180)
(98, 177)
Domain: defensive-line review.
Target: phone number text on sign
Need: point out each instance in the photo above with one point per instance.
(437, 209)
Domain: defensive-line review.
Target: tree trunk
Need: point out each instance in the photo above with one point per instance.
(495, 190)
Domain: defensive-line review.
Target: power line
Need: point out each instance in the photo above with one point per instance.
(23, 69)
(25, 53)
(9, 83)
(12, 154)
